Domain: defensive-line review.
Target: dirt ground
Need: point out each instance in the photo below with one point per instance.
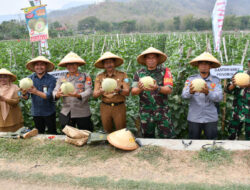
(174, 167)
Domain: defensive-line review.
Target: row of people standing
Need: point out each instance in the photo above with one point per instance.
(154, 110)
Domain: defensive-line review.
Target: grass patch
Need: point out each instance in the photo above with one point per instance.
(55, 151)
(151, 154)
(216, 156)
(103, 182)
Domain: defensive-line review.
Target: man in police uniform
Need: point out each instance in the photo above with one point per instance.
(75, 109)
(112, 108)
(154, 110)
(241, 109)
(202, 114)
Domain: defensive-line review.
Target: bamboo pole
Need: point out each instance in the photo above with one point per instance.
(244, 53)
(224, 94)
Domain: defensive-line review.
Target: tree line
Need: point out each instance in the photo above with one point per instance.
(17, 29)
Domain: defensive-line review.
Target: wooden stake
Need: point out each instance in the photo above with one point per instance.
(225, 49)
(244, 53)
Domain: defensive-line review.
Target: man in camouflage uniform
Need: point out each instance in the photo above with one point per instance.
(241, 113)
(154, 110)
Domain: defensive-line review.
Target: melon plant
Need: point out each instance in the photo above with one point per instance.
(198, 84)
(67, 87)
(242, 79)
(147, 81)
(25, 83)
(109, 85)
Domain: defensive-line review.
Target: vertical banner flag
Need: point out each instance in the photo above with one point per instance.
(37, 23)
(217, 21)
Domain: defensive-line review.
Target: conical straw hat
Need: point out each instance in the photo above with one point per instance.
(4, 71)
(123, 139)
(71, 58)
(206, 57)
(162, 56)
(108, 55)
(30, 64)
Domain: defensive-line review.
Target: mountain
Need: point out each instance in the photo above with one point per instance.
(142, 10)
(76, 4)
(11, 17)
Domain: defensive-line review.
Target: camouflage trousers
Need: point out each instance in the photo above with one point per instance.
(237, 124)
(156, 124)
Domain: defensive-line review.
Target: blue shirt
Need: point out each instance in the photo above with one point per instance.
(201, 107)
(40, 106)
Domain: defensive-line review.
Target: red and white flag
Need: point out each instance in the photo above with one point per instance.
(217, 21)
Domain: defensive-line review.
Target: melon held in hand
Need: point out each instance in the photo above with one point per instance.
(109, 85)
(67, 87)
(25, 83)
(242, 79)
(147, 81)
(198, 84)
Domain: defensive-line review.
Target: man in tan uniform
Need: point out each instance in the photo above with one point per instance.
(112, 108)
(75, 109)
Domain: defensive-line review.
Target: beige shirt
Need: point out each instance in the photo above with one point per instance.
(83, 85)
(122, 82)
(15, 116)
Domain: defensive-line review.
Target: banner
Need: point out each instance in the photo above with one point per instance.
(217, 21)
(226, 72)
(37, 23)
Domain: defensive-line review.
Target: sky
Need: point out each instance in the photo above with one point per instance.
(8, 7)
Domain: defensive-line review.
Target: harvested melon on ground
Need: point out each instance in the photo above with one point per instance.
(25, 83)
(242, 79)
(198, 84)
(67, 87)
(147, 81)
(109, 85)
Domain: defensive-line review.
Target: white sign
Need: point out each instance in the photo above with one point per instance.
(58, 74)
(217, 21)
(226, 72)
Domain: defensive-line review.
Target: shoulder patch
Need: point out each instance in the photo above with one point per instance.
(126, 80)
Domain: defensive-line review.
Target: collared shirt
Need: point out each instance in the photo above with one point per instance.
(83, 85)
(122, 82)
(154, 99)
(40, 106)
(201, 107)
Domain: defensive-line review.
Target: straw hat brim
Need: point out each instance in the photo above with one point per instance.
(162, 57)
(114, 140)
(71, 61)
(207, 57)
(12, 76)
(214, 63)
(118, 61)
(30, 65)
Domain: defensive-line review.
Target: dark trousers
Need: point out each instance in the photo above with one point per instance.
(41, 122)
(195, 130)
(81, 122)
